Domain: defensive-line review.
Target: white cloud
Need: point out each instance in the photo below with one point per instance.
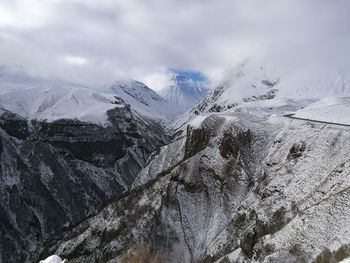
(110, 38)
(75, 60)
(24, 13)
(156, 80)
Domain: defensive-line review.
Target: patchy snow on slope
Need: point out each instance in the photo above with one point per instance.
(52, 259)
(335, 110)
(168, 157)
(285, 184)
(197, 122)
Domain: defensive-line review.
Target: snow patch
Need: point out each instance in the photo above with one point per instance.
(53, 259)
(334, 109)
(347, 260)
(197, 122)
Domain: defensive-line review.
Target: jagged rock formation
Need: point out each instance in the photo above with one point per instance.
(238, 188)
(56, 174)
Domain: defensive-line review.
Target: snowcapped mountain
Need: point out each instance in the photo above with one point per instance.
(244, 183)
(66, 149)
(143, 99)
(256, 81)
(250, 86)
(183, 92)
(35, 98)
(54, 103)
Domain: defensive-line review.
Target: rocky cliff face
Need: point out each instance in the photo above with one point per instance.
(238, 188)
(56, 174)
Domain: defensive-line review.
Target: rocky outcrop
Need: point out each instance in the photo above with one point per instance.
(53, 175)
(181, 211)
(254, 190)
(13, 124)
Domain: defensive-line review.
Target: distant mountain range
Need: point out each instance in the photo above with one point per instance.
(41, 99)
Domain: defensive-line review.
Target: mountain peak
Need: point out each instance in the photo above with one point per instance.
(184, 91)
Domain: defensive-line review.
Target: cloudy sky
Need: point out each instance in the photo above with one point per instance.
(94, 42)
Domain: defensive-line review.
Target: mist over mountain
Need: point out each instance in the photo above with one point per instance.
(130, 156)
(174, 131)
(183, 91)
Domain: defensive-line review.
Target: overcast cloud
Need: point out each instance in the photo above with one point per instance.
(94, 42)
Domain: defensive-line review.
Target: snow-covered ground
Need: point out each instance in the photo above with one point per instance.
(335, 110)
(347, 260)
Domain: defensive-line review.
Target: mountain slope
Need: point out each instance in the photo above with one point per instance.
(254, 82)
(64, 151)
(54, 175)
(333, 109)
(244, 189)
(242, 184)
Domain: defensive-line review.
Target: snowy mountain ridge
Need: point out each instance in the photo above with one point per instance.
(35, 98)
(65, 150)
(250, 84)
